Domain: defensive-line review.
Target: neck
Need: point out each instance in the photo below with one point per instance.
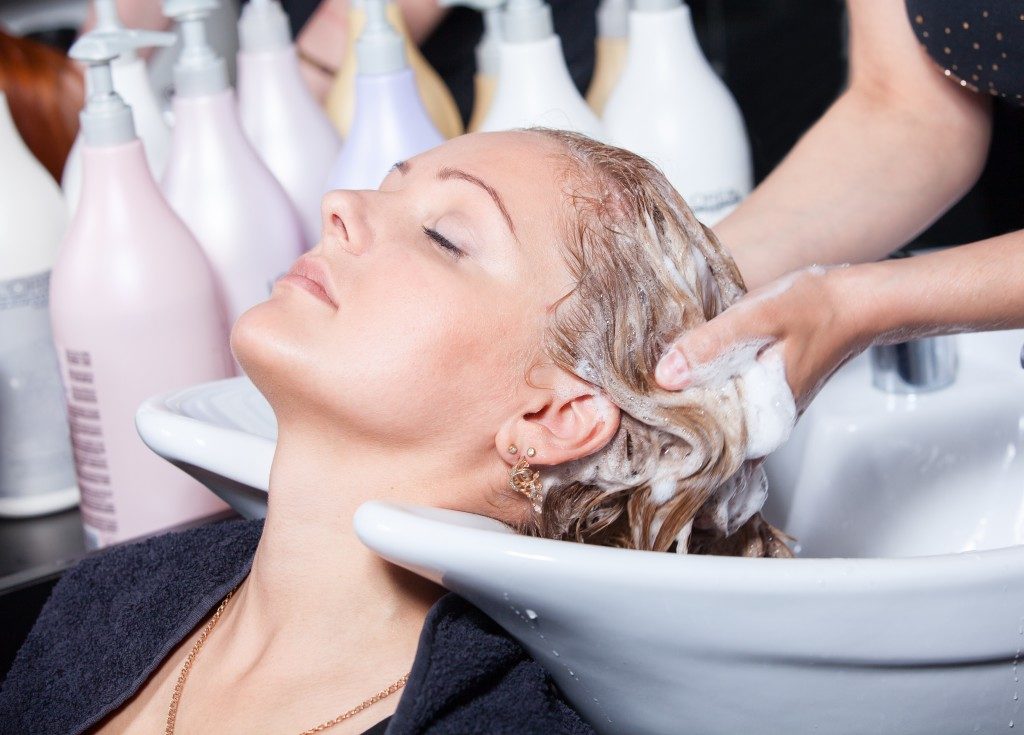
(310, 570)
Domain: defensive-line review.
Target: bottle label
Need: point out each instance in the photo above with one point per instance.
(35, 451)
(715, 204)
(90, 453)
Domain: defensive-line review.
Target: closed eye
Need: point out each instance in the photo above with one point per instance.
(443, 242)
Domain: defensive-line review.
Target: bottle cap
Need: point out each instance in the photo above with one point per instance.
(264, 26)
(380, 49)
(653, 6)
(106, 119)
(198, 71)
(526, 20)
(613, 19)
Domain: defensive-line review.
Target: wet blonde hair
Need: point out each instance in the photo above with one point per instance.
(675, 475)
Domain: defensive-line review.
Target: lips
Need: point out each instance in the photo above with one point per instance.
(312, 275)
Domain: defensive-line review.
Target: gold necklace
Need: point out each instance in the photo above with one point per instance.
(172, 712)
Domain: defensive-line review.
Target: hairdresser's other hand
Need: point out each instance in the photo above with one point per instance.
(802, 315)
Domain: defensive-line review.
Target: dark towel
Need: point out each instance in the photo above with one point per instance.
(115, 616)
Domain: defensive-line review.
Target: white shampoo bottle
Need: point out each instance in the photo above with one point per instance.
(136, 310)
(534, 86)
(671, 107)
(36, 472)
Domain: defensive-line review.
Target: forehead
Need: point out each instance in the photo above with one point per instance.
(526, 169)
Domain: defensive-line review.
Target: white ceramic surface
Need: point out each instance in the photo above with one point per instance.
(657, 643)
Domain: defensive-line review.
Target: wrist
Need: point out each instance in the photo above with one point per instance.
(859, 299)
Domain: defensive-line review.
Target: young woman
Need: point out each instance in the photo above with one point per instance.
(479, 334)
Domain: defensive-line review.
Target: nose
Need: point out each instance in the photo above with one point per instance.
(343, 221)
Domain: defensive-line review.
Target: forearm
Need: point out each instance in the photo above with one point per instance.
(863, 181)
(969, 288)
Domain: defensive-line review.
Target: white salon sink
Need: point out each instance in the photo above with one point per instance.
(872, 474)
(915, 628)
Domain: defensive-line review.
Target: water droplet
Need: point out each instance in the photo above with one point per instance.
(531, 614)
(1011, 723)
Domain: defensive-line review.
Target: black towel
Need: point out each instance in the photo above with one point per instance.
(115, 616)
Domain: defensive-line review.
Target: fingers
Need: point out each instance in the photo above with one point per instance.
(700, 347)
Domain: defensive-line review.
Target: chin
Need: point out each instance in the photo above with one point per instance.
(271, 343)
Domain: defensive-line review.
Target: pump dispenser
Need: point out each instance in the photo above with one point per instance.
(534, 86)
(671, 107)
(436, 98)
(131, 81)
(36, 471)
(136, 310)
(391, 123)
(215, 179)
(609, 51)
(282, 119)
(488, 59)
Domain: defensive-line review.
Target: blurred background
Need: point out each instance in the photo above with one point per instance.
(785, 62)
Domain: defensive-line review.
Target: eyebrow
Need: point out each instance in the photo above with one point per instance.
(448, 173)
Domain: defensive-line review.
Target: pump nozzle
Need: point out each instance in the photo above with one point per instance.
(488, 56)
(380, 49)
(613, 19)
(106, 119)
(263, 26)
(199, 71)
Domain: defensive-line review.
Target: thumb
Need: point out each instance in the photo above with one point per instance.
(698, 347)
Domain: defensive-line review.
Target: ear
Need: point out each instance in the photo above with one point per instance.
(566, 418)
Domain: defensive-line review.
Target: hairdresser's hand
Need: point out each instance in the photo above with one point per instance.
(805, 315)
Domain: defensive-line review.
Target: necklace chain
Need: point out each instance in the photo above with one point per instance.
(172, 711)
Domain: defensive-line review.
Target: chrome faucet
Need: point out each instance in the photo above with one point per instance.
(917, 366)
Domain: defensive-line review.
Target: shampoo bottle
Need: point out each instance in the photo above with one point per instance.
(131, 81)
(136, 310)
(215, 179)
(284, 123)
(436, 98)
(391, 123)
(671, 107)
(534, 86)
(36, 472)
(609, 51)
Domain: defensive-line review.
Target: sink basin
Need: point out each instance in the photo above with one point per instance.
(904, 616)
(873, 474)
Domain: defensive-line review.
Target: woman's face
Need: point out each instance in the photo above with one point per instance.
(442, 281)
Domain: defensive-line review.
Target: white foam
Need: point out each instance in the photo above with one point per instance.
(768, 406)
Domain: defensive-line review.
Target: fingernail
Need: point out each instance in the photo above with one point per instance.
(672, 369)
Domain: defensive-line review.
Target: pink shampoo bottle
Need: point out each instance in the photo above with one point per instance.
(136, 310)
(215, 179)
(282, 119)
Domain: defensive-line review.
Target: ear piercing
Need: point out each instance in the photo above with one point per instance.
(523, 480)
